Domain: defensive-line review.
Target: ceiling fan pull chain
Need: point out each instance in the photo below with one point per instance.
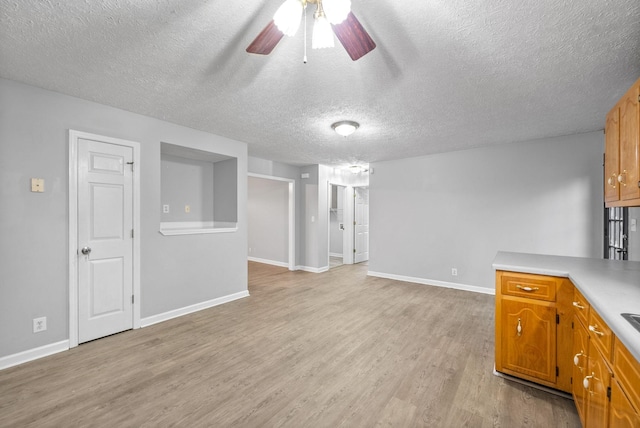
(304, 12)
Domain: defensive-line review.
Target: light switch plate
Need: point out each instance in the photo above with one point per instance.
(37, 185)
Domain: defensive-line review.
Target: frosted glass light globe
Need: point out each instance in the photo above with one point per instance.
(336, 10)
(287, 17)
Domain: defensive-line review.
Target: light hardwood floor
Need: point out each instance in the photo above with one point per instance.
(337, 349)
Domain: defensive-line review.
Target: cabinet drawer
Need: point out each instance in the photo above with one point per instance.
(537, 287)
(600, 334)
(580, 307)
(627, 370)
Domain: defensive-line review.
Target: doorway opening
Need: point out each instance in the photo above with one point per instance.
(271, 220)
(337, 229)
(616, 233)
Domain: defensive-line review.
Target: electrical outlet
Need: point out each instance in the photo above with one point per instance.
(39, 324)
(454, 272)
(165, 209)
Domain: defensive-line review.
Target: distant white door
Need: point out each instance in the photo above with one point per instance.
(361, 242)
(105, 239)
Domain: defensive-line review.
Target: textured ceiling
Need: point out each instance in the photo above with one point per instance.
(446, 74)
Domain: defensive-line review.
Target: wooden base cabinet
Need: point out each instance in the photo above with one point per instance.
(548, 333)
(533, 327)
(529, 339)
(597, 383)
(625, 389)
(606, 378)
(621, 414)
(580, 367)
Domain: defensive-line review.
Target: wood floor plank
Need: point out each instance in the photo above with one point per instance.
(314, 350)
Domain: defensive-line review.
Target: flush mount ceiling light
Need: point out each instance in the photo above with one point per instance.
(331, 17)
(345, 127)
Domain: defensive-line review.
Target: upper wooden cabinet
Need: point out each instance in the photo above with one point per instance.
(622, 151)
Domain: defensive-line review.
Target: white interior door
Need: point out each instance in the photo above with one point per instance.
(361, 241)
(105, 239)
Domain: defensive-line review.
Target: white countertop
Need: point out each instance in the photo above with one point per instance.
(612, 287)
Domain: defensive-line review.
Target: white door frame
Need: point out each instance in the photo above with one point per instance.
(347, 245)
(74, 136)
(292, 214)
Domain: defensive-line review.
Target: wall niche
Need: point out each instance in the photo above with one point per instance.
(199, 191)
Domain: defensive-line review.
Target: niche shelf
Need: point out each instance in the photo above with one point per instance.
(199, 191)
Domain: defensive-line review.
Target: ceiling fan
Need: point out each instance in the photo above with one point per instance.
(330, 15)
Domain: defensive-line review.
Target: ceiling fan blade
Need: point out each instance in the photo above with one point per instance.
(354, 37)
(266, 40)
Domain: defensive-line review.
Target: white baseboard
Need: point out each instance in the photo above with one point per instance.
(33, 354)
(145, 322)
(473, 288)
(268, 262)
(312, 269)
(336, 255)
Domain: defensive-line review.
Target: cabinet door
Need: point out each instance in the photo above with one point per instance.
(629, 144)
(622, 414)
(580, 366)
(611, 155)
(596, 383)
(529, 338)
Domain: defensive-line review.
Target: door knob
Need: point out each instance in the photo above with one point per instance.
(85, 250)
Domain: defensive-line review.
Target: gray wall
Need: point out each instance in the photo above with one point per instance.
(186, 182)
(176, 271)
(267, 217)
(457, 209)
(225, 191)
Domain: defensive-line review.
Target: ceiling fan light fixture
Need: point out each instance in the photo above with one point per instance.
(345, 127)
(336, 10)
(322, 33)
(287, 17)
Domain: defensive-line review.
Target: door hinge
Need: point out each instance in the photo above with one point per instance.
(571, 380)
(557, 371)
(354, 223)
(571, 325)
(132, 233)
(130, 163)
(609, 393)
(354, 251)
(557, 319)
(132, 299)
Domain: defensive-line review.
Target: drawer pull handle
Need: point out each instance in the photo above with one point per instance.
(576, 359)
(577, 305)
(594, 328)
(527, 288)
(519, 328)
